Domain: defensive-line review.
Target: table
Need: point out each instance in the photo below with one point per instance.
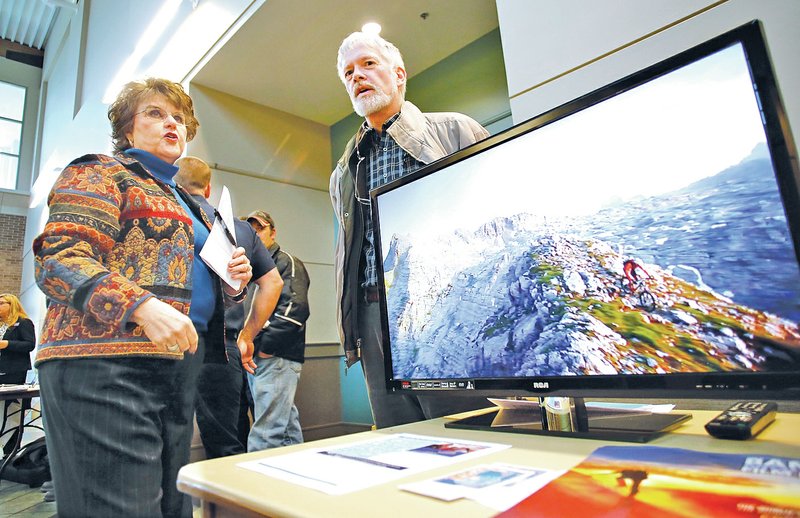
(230, 491)
(25, 393)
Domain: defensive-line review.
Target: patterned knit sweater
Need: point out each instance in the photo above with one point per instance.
(116, 236)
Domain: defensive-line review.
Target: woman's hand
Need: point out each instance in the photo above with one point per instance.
(239, 269)
(165, 326)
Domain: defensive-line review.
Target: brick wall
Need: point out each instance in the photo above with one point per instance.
(12, 234)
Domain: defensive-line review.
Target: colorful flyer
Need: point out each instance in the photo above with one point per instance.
(628, 481)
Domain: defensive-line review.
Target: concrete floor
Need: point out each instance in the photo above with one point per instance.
(20, 500)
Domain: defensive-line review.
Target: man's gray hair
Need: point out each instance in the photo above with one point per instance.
(384, 48)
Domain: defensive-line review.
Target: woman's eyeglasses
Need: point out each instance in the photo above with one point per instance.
(157, 114)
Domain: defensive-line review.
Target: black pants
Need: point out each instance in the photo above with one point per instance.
(219, 406)
(396, 409)
(118, 430)
(246, 409)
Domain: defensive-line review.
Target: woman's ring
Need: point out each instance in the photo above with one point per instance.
(174, 347)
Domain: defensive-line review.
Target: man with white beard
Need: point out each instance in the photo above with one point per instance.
(395, 139)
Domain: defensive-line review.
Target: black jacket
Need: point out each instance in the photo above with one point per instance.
(285, 332)
(21, 340)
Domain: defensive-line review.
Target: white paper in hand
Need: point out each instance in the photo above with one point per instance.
(217, 251)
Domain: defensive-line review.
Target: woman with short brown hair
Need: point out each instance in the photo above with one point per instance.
(128, 297)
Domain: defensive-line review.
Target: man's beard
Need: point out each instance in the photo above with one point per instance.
(371, 103)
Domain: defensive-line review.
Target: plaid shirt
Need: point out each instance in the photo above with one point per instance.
(386, 162)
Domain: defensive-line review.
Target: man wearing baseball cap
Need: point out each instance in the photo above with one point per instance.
(274, 357)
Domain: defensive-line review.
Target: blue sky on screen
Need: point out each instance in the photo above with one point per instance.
(692, 123)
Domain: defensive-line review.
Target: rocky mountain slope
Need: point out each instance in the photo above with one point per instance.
(531, 296)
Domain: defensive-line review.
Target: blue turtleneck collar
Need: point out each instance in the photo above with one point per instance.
(160, 169)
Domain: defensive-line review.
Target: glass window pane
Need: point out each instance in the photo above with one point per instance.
(9, 136)
(12, 101)
(8, 172)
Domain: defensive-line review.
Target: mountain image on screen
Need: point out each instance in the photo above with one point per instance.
(716, 288)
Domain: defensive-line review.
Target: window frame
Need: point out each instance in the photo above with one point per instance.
(21, 123)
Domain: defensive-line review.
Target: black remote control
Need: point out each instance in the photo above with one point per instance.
(742, 420)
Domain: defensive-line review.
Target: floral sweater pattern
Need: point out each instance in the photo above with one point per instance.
(116, 236)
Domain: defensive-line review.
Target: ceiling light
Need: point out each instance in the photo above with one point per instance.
(371, 28)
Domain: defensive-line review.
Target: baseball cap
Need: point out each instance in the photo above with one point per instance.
(263, 218)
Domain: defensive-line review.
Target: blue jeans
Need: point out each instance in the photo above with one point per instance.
(276, 421)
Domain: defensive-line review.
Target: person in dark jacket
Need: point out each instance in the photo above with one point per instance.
(17, 340)
(220, 388)
(275, 357)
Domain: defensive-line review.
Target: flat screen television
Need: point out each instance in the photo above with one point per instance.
(639, 241)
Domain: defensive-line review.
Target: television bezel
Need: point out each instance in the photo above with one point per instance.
(728, 385)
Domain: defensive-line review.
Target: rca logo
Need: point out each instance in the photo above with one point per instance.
(541, 384)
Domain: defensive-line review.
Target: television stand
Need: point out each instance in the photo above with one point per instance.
(585, 423)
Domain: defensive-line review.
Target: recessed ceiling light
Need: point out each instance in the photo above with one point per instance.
(371, 28)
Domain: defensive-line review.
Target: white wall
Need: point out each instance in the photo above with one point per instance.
(266, 142)
(557, 51)
(274, 161)
(304, 229)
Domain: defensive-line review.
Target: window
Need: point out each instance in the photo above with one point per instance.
(12, 104)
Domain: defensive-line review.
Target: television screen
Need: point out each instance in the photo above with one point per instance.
(640, 239)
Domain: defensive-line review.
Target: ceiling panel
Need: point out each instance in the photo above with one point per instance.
(284, 56)
(28, 22)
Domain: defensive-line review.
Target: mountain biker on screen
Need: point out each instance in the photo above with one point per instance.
(633, 273)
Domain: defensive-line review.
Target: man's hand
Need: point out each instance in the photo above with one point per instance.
(246, 348)
(165, 326)
(239, 269)
(268, 289)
